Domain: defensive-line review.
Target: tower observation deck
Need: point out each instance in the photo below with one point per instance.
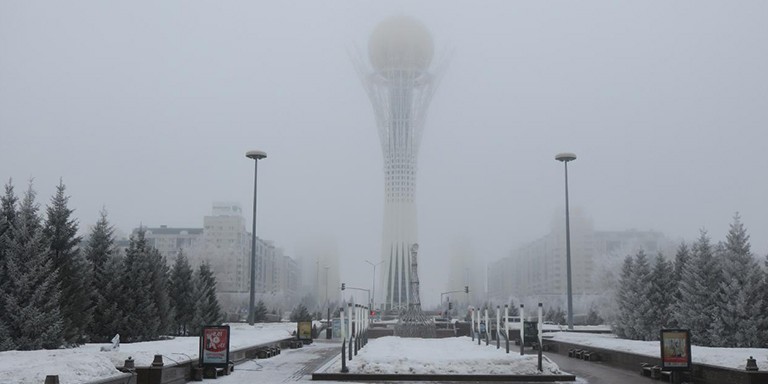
(400, 86)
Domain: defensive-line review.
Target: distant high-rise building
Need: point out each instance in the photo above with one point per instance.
(400, 85)
(225, 245)
(538, 269)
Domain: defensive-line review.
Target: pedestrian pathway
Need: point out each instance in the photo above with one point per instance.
(595, 372)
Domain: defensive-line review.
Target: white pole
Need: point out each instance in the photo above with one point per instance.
(541, 324)
(349, 314)
(487, 326)
(343, 330)
(498, 327)
(506, 320)
(472, 320)
(522, 328)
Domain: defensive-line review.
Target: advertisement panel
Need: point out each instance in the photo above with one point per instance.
(336, 332)
(304, 331)
(214, 345)
(675, 349)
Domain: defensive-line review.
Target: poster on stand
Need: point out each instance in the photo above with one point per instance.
(214, 346)
(675, 349)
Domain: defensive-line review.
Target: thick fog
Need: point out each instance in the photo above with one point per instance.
(148, 108)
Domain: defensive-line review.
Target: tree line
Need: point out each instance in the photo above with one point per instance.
(718, 291)
(56, 290)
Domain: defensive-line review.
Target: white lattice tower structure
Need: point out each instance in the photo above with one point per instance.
(399, 84)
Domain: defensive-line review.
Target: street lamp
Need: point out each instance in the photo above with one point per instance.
(326, 284)
(256, 156)
(373, 302)
(565, 157)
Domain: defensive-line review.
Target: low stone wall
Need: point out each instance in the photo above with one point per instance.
(700, 373)
(183, 371)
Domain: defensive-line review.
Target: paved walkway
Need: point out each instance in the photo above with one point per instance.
(595, 372)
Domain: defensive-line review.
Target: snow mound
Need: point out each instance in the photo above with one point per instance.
(459, 355)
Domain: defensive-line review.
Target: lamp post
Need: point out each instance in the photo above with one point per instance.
(326, 284)
(565, 157)
(256, 156)
(373, 291)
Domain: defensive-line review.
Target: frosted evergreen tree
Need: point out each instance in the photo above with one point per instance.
(643, 320)
(98, 252)
(512, 308)
(73, 270)
(625, 300)
(662, 295)
(764, 293)
(160, 287)
(8, 213)
(207, 309)
(139, 300)
(738, 311)
(682, 256)
(593, 318)
(31, 302)
(260, 312)
(698, 282)
(181, 294)
(300, 313)
(109, 317)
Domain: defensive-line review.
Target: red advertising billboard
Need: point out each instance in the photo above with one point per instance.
(675, 349)
(214, 345)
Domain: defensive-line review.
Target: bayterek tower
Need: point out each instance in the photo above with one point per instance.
(400, 84)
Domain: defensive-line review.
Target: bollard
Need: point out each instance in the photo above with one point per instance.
(344, 368)
(52, 379)
(156, 370)
(350, 348)
(129, 364)
(356, 345)
(751, 364)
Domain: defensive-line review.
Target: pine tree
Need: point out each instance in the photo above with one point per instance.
(300, 313)
(8, 213)
(98, 252)
(207, 311)
(160, 287)
(696, 289)
(32, 298)
(682, 256)
(662, 292)
(140, 304)
(260, 312)
(593, 318)
(181, 294)
(738, 310)
(73, 272)
(625, 301)
(110, 316)
(643, 308)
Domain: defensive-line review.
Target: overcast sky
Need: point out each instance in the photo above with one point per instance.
(147, 109)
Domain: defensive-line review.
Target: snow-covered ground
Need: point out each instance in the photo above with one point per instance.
(456, 355)
(723, 357)
(384, 355)
(87, 363)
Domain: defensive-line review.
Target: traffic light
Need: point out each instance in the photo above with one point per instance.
(466, 289)
(450, 305)
(343, 286)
